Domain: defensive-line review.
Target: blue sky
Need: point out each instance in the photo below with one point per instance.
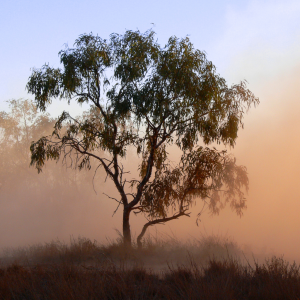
(33, 32)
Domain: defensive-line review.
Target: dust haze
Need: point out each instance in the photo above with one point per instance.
(61, 203)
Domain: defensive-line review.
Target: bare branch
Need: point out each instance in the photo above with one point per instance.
(113, 198)
(116, 209)
(159, 221)
(94, 178)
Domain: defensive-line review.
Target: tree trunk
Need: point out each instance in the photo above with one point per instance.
(126, 228)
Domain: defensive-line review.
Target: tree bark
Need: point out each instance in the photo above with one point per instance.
(126, 228)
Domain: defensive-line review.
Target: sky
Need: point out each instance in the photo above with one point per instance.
(257, 41)
(33, 32)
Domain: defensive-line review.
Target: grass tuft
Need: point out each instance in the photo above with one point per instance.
(205, 269)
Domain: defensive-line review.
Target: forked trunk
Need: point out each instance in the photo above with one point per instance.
(126, 228)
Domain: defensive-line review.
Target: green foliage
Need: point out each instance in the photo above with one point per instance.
(149, 97)
(202, 173)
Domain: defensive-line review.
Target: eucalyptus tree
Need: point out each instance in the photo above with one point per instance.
(18, 127)
(147, 97)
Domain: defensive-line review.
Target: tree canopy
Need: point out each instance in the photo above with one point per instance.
(147, 97)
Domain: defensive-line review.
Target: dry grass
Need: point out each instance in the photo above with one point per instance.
(86, 270)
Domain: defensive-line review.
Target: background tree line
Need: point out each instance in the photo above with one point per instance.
(38, 208)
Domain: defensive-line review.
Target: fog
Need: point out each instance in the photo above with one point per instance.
(269, 146)
(61, 203)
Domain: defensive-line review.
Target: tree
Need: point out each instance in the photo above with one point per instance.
(36, 206)
(18, 127)
(147, 97)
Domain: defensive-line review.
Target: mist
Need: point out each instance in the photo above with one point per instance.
(61, 203)
(269, 147)
(74, 203)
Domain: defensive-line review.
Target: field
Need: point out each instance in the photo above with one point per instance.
(209, 268)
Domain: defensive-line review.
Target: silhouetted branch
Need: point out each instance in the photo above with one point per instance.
(159, 221)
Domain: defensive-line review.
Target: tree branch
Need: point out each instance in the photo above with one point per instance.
(148, 174)
(159, 221)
